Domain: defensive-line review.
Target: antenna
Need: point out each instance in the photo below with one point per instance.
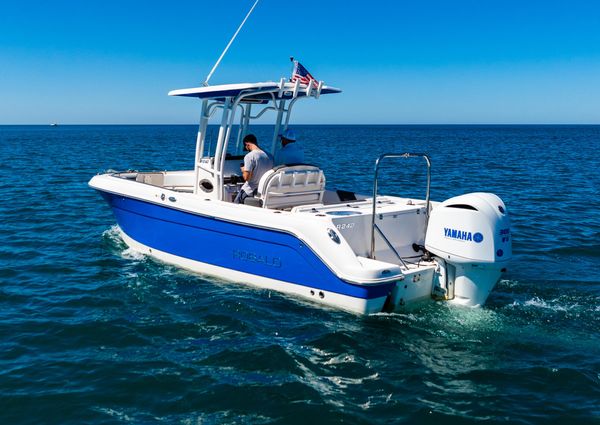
(229, 44)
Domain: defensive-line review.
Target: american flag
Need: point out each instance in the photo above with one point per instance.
(302, 74)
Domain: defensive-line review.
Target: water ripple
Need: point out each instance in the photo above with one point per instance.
(94, 332)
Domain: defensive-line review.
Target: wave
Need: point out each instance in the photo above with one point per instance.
(112, 235)
(132, 254)
(581, 250)
(560, 304)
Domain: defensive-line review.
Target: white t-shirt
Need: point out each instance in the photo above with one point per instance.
(258, 163)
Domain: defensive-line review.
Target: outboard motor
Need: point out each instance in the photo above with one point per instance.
(470, 238)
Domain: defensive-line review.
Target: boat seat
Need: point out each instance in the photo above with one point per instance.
(288, 186)
(153, 178)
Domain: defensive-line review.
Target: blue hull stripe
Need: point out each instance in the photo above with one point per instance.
(263, 252)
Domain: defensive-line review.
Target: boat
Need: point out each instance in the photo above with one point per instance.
(361, 252)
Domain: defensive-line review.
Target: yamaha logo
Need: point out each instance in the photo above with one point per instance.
(463, 235)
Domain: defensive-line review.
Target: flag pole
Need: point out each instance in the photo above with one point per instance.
(229, 44)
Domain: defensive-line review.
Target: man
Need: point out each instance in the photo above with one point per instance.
(290, 152)
(256, 163)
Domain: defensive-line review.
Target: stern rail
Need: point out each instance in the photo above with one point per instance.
(375, 180)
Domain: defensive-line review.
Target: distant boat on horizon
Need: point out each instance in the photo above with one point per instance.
(54, 124)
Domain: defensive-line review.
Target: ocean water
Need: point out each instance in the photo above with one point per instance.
(92, 332)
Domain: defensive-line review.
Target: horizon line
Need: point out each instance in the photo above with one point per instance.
(305, 124)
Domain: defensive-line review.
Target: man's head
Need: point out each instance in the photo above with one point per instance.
(250, 142)
(288, 136)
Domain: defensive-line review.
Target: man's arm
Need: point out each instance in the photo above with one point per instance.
(248, 167)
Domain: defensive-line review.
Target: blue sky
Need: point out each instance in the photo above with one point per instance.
(398, 62)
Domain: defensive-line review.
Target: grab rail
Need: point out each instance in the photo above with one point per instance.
(397, 155)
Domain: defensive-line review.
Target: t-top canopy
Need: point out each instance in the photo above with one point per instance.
(264, 91)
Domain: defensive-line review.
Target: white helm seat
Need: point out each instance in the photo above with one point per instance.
(288, 186)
